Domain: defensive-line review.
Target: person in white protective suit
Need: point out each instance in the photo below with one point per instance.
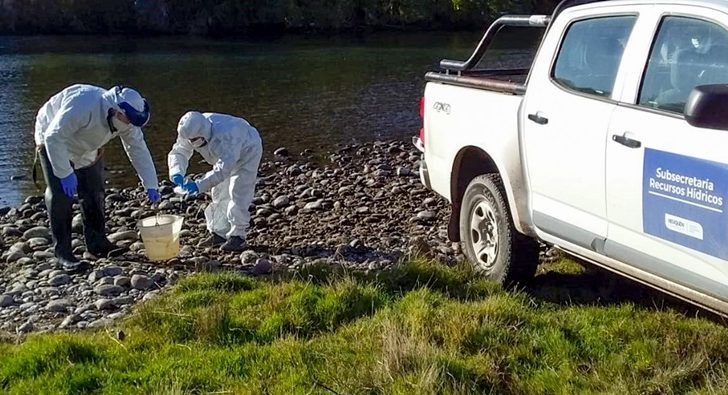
(70, 130)
(234, 149)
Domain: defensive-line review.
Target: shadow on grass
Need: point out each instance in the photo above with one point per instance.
(584, 284)
(566, 282)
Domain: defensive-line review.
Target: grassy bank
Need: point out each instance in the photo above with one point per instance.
(421, 328)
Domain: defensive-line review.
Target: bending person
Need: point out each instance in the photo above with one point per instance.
(70, 129)
(234, 149)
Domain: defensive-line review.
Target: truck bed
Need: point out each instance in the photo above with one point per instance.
(505, 81)
(503, 69)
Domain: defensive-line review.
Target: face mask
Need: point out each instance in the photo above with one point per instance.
(120, 126)
(198, 142)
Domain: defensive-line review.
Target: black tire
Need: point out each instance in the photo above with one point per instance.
(504, 255)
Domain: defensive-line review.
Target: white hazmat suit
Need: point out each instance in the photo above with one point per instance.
(72, 133)
(70, 130)
(234, 148)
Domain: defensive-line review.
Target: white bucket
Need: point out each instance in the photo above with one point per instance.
(160, 235)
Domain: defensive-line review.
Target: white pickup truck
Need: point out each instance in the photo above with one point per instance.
(609, 142)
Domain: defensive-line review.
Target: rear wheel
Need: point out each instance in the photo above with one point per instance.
(489, 239)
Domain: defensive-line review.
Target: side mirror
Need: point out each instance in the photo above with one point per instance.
(707, 107)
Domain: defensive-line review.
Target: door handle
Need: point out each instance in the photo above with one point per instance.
(538, 118)
(626, 141)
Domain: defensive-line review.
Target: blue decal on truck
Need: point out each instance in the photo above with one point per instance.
(685, 201)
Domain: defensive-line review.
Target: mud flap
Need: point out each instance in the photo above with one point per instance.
(453, 226)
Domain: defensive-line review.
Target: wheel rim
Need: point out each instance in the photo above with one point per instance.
(484, 234)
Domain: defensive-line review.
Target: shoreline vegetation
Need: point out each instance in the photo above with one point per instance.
(419, 327)
(220, 18)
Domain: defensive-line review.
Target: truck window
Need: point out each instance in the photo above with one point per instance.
(512, 48)
(686, 52)
(590, 54)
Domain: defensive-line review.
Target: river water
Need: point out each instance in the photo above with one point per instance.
(300, 92)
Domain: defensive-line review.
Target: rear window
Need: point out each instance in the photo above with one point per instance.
(513, 48)
(590, 53)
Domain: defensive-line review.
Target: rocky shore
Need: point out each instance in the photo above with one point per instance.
(363, 207)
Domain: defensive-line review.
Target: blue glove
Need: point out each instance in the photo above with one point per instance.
(69, 184)
(190, 187)
(178, 179)
(153, 195)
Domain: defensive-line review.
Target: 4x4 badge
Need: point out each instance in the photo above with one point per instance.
(442, 107)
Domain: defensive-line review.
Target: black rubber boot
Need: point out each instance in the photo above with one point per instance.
(60, 213)
(91, 196)
(214, 240)
(234, 243)
(72, 265)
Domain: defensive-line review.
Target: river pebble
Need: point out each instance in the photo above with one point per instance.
(364, 209)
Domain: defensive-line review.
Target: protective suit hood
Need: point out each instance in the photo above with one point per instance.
(193, 125)
(130, 102)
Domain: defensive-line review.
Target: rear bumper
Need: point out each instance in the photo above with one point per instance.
(424, 173)
(418, 144)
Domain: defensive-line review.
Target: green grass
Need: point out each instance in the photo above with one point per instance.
(421, 328)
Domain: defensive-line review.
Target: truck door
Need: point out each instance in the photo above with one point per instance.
(565, 115)
(667, 181)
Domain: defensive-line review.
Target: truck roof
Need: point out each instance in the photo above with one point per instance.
(716, 4)
(544, 21)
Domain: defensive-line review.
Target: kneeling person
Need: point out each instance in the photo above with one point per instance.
(234, 149)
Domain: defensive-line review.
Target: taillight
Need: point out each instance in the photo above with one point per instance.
(422, 116)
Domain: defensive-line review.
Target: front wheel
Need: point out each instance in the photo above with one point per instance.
(489, 239)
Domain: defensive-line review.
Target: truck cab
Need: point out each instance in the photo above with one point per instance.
(612, 148)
